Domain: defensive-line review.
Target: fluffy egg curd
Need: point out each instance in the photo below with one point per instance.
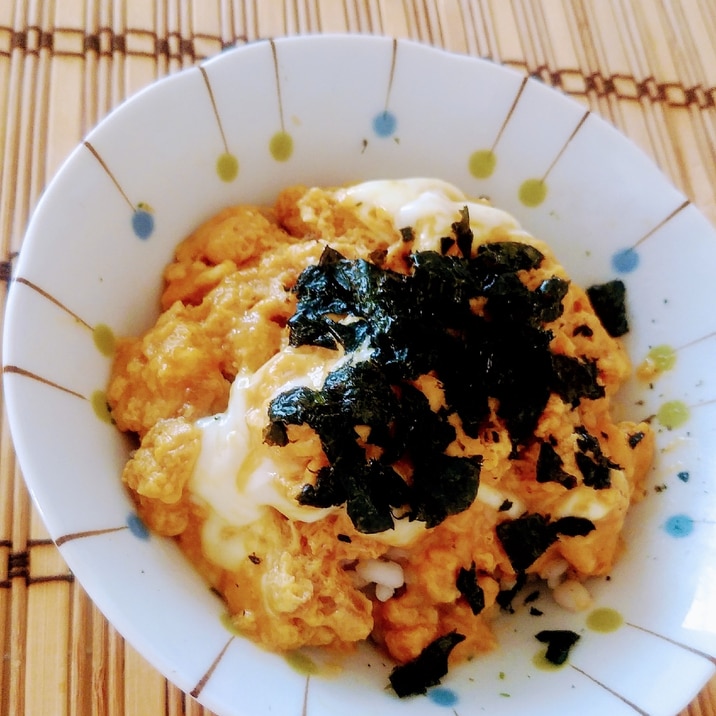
(376, 412)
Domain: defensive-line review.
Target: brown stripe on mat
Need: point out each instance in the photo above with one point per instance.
(175, 48)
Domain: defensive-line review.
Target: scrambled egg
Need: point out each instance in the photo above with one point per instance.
(195, 390)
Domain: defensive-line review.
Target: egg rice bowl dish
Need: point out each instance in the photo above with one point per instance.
(376, 412)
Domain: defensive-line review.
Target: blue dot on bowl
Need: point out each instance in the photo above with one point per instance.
(679, 525)
(625, 261)
(142, 223)
(384, 124)
(443, 697)
(137, 527)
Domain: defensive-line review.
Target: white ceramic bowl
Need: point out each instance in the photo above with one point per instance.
(328, 110)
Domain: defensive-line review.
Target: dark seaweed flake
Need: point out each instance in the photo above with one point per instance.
(446, 243)
(468, 586)
(525, 539)
(417, 323)
(583, 330)
(463, 233)
(571, 526)
(559, 643)
(444, 485)
(528, 537)
(505, 597)
(609, 303)
(635, 438)
(594, 473)
(427, 669)
(575, 378)
(508, 256)
(550, 467)
(591, 461)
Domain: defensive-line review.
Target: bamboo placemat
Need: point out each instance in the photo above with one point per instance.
(648, 66)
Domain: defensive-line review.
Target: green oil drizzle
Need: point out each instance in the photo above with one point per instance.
(673, 414)
(604, 620)
(281, 146)
(541, 661)
(98, 399)
(104, 340)
(663, 358)
(227, 167)
(532, 192)
(301, 663)
(482, 163)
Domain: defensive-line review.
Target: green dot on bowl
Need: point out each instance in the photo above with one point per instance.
(227, 167)
(604, 620)
(673, 414)
(541, 661)
(482, 163)
(532, 192)
(281, 146)
(301, 663)
(98, 399)
(662, 357)
(104, 340)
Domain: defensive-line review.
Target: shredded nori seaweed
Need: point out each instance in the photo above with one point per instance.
(417, 323)
(468, 586)
(427, 669)
(528, 537)
(505, 597)
(559, 643)
(635, 438)
(550, 467)
(609, 303)
(593, 464)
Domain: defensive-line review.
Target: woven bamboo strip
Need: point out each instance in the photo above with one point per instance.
(80, 654)
(619, 36)
(505, 42)
(144, 688)
(5, 597)
(332, 16)
(61, 103)
(452, 22)
(394, 20)
(14, 207)
(359, 16)
(585, 60)
(47, 632)
(695, 59)
(529, 39)
(270, 19)
(686, 126)
(100, 664)
(14, 691)
(693, 48)
(115, 674)
(6, 41)
(141, 47)
(306, 16)
(207, 27)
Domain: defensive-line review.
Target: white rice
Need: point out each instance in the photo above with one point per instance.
(572, 595)
(387, 576)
